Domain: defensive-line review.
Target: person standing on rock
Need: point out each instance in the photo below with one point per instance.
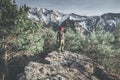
(60, 39)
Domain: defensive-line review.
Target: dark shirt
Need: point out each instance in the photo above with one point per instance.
(60, 35)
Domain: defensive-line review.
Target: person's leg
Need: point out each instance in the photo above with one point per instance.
(59, 49)
(62, 46)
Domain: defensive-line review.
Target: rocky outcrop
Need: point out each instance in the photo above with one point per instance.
(65, 66)
(61, 66)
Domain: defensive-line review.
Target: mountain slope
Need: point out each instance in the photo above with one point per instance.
(54, 19)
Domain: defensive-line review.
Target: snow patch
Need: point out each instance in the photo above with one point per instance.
(111, 22)
(61, 19)
(46, 18)
(34, 17)
(83, 24)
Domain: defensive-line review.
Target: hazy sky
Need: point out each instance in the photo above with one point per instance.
(81, 7)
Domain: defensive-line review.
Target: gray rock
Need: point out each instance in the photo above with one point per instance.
(63, 66)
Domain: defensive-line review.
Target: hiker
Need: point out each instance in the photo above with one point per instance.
(60, 39)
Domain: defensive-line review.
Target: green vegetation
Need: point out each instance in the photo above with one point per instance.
(99, 45)
(8, 12)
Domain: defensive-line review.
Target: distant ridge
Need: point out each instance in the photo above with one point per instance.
(107, 21)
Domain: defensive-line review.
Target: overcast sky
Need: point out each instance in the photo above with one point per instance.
(81, 7)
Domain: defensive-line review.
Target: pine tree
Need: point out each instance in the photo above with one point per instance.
(8, 12)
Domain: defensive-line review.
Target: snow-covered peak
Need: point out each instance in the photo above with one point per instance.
(54, 18)
(45, 15)
(77, 17)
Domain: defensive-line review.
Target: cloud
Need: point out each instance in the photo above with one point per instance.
(76, 6)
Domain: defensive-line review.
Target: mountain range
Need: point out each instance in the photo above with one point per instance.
(54, 19)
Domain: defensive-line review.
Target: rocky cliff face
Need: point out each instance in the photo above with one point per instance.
(53, 18)
(66, 66)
